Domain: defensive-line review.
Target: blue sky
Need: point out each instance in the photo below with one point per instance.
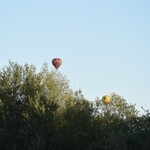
(104, 45)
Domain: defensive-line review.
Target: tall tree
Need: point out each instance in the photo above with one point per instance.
(28, 103)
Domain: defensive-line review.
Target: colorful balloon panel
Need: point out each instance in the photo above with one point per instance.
(56, 62)
(106, 99)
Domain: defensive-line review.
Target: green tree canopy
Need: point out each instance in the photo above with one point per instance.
(28, 103)
(39, 111)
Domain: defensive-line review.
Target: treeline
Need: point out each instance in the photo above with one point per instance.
(39, 111)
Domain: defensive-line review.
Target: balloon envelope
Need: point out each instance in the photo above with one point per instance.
(56, 62)
(106, 99)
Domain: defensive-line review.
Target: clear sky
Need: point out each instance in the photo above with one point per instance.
(104, 44)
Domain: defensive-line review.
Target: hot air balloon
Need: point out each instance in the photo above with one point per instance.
(106, 99)
(56, 62)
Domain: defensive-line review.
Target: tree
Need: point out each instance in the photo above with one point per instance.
(76, 118)
(28, 104)
(118, 107)
(38, 110)
(111, 123)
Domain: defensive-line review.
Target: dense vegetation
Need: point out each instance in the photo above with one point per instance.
(39, 111)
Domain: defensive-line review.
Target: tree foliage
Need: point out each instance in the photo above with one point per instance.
(39, 111)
